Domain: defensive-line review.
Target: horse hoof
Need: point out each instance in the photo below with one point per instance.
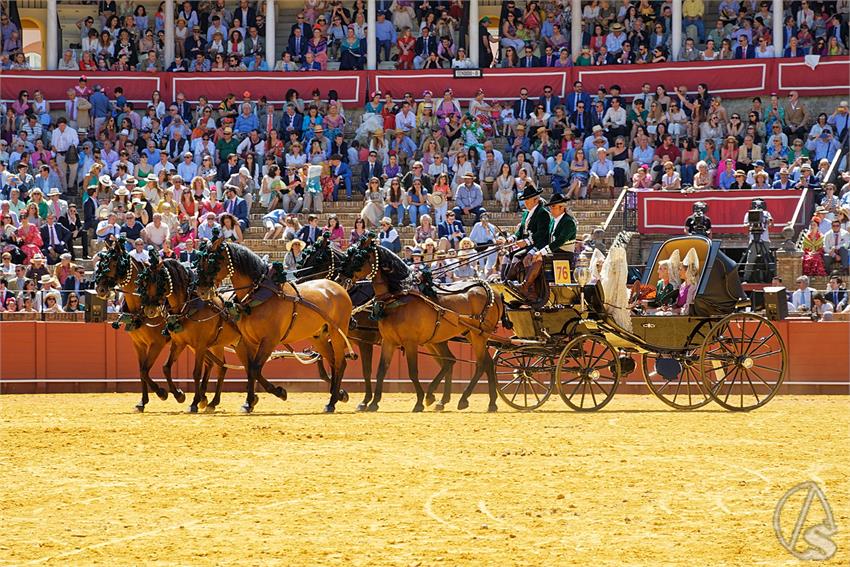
(362, 407)
(179, 396)
(247, 408)
(192, 409)
(430, 399)
(492, 408)
(281, 393)
(162, 394)
(209, 409)
(462, 404)
(343, 396)
(372, 407)
(140, 408)
(329, 409)
(202, 403)
(418, 408)
(440, 406)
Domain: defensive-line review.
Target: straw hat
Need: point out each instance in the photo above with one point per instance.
(105, 180)
(294, 242)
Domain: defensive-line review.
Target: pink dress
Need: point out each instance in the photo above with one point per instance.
(31, 241)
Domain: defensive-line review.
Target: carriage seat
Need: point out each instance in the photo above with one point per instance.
(683, 244)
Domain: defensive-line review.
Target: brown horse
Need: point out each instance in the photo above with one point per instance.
(202, 326)
(322, 260)
(116, 269)
(410, 318)
(273, 313)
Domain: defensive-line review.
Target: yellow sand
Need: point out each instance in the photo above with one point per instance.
(87, 482)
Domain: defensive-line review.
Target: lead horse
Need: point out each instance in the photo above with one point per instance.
(323, 259)
(410, 315)
(275, 311)
(117, 270)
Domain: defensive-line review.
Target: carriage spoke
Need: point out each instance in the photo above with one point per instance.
(753, 388)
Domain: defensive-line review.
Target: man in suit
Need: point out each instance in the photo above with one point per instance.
(549, 100)
(562, 232)
(341, 174)
(76, 282)
(297, 46)
(54, 236)
(523, 107)
(744, 49)
(310, 231)
(424, 46)
(246, 14)
(4, 293)
(532, 235)
(72, 221)
(450, 232)
(300, 24)
(836, 295)
(549, 58)
(528, 59)
(578, 95)
(581, 121)
(370, 168)
(236, 206)
(57, 206)
(291, 121)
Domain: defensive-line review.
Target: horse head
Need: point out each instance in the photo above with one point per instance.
(361, 261)
(113, 267)
(212, 265)
(154, 286)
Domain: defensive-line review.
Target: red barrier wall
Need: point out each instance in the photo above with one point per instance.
(729, 78)
(665, 212)
(38, 357)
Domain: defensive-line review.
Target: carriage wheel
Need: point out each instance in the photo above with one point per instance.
(524, 379)
(588, 373)
(675, 380)
(743, 362)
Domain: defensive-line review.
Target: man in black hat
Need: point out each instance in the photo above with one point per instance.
(532, 235)
(562, 231)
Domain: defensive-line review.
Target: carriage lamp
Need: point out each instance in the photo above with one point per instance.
(582, 276)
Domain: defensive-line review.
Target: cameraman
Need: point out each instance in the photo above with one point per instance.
(698, 222)
(763, 226)
(760, 266)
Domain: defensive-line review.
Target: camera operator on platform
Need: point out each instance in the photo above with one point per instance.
(698, 222)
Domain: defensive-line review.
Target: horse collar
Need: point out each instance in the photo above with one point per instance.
(230, 270)
(376, 263)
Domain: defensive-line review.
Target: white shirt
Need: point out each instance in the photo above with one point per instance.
(141, 256)
(405, 122)
(61, 141)
(527, 220)
(546, 250)
(157, 235)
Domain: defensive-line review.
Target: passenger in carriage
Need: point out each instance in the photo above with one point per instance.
(665, 292)
(688, 274)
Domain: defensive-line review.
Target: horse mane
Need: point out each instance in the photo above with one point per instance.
(246, 261)
(181, 276)
(394, 269)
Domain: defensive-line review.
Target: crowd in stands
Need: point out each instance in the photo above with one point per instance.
(431, 34)
(168, 173)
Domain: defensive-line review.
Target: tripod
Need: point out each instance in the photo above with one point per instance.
(758, 262)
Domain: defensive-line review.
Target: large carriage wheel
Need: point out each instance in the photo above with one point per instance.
(675, 380)
(743, 362)
(524, 378)
(588, 373)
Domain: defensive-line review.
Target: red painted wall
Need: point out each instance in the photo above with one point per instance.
(37, 357)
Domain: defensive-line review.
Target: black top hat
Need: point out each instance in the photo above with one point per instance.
(529, 191)
(558, 199)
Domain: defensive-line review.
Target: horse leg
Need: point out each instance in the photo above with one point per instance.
(146, 355)
(173, 354)
(220, 381)
(482, 357)
(198, 373)
(447, 363)
(252, 369)
(201, 393)
(387, 350)
(411, 352)
(366, 366)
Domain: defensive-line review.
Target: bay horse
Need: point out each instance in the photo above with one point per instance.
(324, 259)
(273, 313)
(191, 322)
(410, 317)
(117, 270)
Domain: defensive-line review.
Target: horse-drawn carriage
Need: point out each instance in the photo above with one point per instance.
(577, 346)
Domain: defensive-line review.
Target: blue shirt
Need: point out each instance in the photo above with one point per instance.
(385, 31)
(276, 215)
(469, 197)
(602, 167)
(244, 124)
(99, 105)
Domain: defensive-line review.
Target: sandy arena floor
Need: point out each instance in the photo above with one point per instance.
(87, 482)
